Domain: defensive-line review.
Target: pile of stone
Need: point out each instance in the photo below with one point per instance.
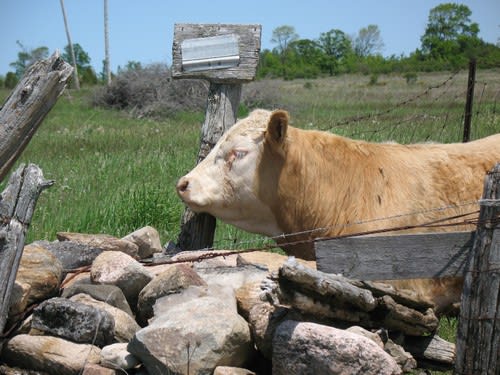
(238, 314)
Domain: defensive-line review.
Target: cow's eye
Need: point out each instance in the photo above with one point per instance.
(238, 154)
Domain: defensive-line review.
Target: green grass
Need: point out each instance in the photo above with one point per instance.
(115, 174)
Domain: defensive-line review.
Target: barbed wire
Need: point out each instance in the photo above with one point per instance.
(346, 226)
(403, 103)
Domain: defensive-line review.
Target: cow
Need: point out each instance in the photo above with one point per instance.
(268, 177)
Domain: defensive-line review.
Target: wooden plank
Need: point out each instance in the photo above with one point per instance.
(428, 255)
(249, 49)
(478, 334)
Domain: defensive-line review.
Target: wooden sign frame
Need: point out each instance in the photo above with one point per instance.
(248, 37)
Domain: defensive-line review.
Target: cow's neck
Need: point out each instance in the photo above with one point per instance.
(323, 182)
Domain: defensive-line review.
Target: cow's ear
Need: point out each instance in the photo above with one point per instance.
(277, 127)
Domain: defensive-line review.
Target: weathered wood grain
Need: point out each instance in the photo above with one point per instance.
(431, 351)
(26, 107)
(249, 47)
(478, 335)
(17, 203)
(429, 255)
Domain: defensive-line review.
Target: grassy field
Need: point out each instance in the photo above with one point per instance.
(115, 174)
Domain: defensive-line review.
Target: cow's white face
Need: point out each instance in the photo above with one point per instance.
(225, 183)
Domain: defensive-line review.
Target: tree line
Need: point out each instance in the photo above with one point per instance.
(450, 40)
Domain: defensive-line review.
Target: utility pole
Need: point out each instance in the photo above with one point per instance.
(75, 71)
(107, 70)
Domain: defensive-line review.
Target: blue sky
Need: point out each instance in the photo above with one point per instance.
(143, 30)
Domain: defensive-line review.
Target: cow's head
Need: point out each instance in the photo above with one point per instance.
(237, 180)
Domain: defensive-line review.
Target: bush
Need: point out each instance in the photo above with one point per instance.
(411, 78)
(151, 91)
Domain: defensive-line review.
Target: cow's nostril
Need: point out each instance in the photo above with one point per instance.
(182, 185)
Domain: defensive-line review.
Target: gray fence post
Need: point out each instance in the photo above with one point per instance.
(226, 56)
(478, 335)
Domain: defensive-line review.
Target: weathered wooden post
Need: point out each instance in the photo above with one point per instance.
(20, 116)
(471, 80)
(478, 336)
(226, 56)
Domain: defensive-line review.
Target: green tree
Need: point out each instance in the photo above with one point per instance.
(11, 80)
(26, 58)
(283, 36)
(86, 73)
(368, 41)
(449, 32)
(336, 46)
(304, 58)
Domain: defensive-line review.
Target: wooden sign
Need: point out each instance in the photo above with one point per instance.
(220, 53)
(409, 256)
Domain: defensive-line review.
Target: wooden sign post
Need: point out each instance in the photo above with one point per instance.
(226, 56)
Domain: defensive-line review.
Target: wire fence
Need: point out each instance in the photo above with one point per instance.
(430, 112)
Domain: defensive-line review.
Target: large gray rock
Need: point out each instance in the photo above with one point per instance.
(193, 337)
(120, 269)
(309, 348)
(174, 280)
(74, 321)
(49, 354)
(147, 240)
(101, 241)
(110, 294)
(71, 254)
(125, 325)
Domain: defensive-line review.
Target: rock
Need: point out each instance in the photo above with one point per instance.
(42, 271)
(52, 355)
(226, 370)
(271, 261)
(193, 337)
(404, 359)
(165, 303)
(173, 280)
(74, 321)
(309, 348)
(120, 269)
(369, 335)
(6, 370)
(71, 254)
(110, 294)
(116, 356)
(147, 240)
(232, 277)
(104, 242)
(94, 369)
(19, 300)
(125, 325)
(263, 320)
(247, 296)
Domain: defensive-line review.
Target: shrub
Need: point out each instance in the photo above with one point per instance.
(151, 91)
(411, 78)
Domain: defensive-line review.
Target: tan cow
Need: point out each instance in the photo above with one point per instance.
(268, 177)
